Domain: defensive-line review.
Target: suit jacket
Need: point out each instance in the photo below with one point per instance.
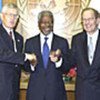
(47, 84)
(88, 76)
(10, 65)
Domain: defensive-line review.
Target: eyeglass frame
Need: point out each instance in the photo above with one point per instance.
(88, 19)
(10, 15)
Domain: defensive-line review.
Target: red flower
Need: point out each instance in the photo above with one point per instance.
(72, 72)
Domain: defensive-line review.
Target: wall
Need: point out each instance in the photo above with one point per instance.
(6, 1)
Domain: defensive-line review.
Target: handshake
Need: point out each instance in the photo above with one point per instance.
(32, 58)
(54, 57)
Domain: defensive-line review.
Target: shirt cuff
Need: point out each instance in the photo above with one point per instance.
(58, 64)
(32, 67)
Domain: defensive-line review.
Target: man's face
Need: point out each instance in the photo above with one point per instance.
(89, 21)
(9, 18)
(46, 25)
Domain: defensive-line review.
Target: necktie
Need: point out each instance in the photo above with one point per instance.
(90, 50)
(12, 42)
(45, 54)
(10, 34)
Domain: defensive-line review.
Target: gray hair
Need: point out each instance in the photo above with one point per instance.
(45, 13)
(9, 5)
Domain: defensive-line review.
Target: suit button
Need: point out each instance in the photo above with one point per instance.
(16, 65)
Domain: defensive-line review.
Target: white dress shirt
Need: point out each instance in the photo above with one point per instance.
(94, 40)
(49, 42)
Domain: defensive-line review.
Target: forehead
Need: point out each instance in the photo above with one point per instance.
(88, 13)
(10, 10)
(46, 18)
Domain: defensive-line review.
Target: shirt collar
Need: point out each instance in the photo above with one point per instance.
(49, 41)
(50, 35)
(7, 29)
(94, 35)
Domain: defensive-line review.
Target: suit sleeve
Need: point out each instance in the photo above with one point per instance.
(73, 51)
(27, 66)
(66, 57)
(8, 56)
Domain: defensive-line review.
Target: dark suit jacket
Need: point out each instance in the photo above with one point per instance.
(47, 84)
(9, 65)
(88, 76)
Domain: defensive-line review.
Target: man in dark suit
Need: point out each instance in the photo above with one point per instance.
(46, 82)
(86, 55)
(11, 57)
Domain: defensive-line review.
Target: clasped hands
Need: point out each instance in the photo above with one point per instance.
(54, 57)
(32, 58)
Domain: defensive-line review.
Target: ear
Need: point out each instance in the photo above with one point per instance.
(98, 20)
(1, 16)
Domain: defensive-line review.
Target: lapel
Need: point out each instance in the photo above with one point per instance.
(84, 48)
(54, 43)
(53, 48)
(38, 51)
(97, 50)
(18, 42)
(6, 38)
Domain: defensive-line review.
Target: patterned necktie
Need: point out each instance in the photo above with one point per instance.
(90, 50)
(45, 54)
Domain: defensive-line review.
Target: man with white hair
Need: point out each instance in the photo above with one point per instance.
(11, 57)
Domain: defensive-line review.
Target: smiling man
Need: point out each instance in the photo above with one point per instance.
(52, 52)
(86, 55)
(11, 57)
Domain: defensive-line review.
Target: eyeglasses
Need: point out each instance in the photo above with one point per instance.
(88, 19)
(12, 15)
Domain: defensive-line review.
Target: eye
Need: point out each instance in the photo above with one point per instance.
(11, 15)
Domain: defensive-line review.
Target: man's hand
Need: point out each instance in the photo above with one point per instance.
(34, 61)
(29, 56)
(32, 58)
(55, 55)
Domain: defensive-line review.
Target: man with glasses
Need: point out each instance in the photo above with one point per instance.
(86, 55)
(11, 57)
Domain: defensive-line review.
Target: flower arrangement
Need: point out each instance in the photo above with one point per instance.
(70, 75)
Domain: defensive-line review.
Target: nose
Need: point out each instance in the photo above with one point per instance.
(47, 24)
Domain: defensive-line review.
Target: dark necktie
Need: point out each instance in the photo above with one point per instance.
(10, 34)
(12, 42)
(45, 53)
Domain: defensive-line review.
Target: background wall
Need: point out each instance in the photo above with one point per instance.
(67, 15)
(6, 1)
